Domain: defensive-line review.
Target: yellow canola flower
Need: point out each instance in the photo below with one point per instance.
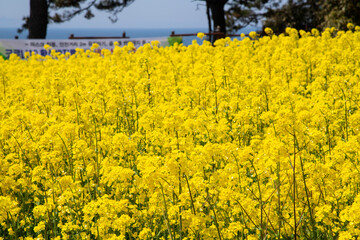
(131, 45)
(47, 47)
(94, 46)
(315, 32)
(350, 26)
(245, 139)
(200, 35)
(27, 54)
(145, 233)
(253, 35)
(40, 227)
(269, 31)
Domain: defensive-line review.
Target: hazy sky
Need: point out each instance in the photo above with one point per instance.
(140, 14)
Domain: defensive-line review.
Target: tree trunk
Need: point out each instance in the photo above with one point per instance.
(218, 14)
(209, 21)
(38, 20)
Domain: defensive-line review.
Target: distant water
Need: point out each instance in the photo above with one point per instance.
(64, 33)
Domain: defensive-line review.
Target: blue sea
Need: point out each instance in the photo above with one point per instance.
(64, 33)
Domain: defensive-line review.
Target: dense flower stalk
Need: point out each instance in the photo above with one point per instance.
(249, 139)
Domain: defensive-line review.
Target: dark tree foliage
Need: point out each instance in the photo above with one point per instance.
(241, 13)
(232, 15)
(308, 14)
(338, 13)
(43, 12)
(223, 15)
(297, 14)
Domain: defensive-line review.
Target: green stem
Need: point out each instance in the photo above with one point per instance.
(294, 186)
(312, 220)
(165, 213)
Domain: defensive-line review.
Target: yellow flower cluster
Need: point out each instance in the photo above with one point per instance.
(250, 139)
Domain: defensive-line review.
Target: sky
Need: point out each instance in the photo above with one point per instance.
(140, 14)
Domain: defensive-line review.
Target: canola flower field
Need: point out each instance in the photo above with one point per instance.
(248, 139)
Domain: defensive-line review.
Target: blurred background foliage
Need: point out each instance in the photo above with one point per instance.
(227, 16)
